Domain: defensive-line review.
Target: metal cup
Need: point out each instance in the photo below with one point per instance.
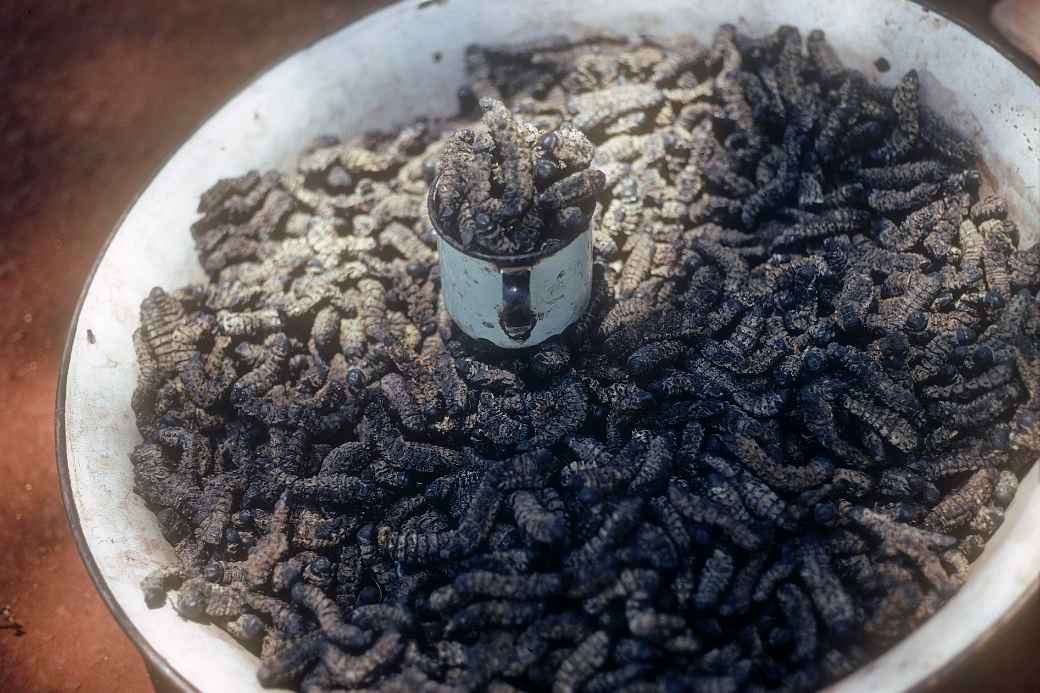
(514, 301)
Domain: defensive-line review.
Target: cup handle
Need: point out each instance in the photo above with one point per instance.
(515, 316)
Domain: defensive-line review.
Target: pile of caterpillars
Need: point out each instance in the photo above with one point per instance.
(804, 392)
(510, 189)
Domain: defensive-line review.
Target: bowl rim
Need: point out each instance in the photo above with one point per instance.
(156, 664)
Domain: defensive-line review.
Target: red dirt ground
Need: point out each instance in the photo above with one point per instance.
(95, 96)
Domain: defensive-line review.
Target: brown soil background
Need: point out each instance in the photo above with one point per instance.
(94, 96)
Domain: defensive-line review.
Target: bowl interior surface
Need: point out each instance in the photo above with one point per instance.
(379, 73)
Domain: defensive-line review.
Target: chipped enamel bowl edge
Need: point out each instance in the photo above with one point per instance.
(358, 79)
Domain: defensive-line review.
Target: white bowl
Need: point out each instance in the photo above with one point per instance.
(380, 72)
